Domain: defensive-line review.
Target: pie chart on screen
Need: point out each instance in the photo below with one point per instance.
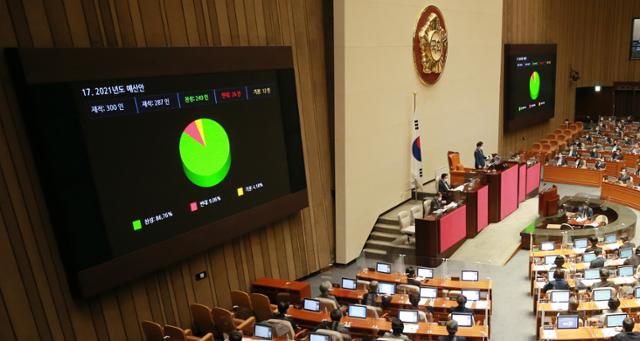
(205, 152)
(534, 85)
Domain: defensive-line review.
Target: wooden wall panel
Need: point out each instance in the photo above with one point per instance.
(593, 38)
(34, 300)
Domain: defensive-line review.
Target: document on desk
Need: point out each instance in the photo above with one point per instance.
(549, 334)
(477, 305)
(559, 306)
(459, 188)
(609, 332)
(410, 328)
(602, 304)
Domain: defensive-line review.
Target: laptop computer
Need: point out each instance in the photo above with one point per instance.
(601, 294)
(386, 288)
(547, 246)
(591, 274)
(559, 296)
(588, 257)
(614, 320)
(358, 311)
(348, 283)
(626, 252)
(610, 238)
(580, 243)
(426, 273)
(469, 275)
(408, 316)
(463, 319)
(567, 322)
(471, 295)
(311, 304)
(263, 332)
(636, 292)
(549, 260)
(428, 292)
(625, 271)
(385, 268)
(319, 337)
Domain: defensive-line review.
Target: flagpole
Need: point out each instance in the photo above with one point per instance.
(415, 189)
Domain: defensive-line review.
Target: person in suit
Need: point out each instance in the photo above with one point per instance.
(600, 164)
(452, 329)
(633, 260)
(461, 308)
(628, 334)
(593, 241)
(594, 153)
(325, 287)
(604, 280)
(573, 152)
(615, 147)
(479, 157)
(588, 138)
(437, 202)
(579, 162)
(371, 297)
(572, 309)
(558, 283)
(585, 212)
(443, 185)
(283, 306)
(414, 299)
(626, 242)
(235, 336)
(624, 177)
(560, 160)
(334, 324)
(396, 330)
(616, 155)
(599, 261)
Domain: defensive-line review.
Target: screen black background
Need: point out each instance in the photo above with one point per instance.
(516, 86)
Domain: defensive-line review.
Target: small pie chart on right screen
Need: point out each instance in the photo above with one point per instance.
(534, 85)
(205, 152)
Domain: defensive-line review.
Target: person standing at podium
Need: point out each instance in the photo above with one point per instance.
(479, 156)
(443, 185)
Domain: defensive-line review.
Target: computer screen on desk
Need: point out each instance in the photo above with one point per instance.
(588, 257)
(559, 296)
(567, 322)
(636, 292)
(428, 292)
(601, 294)
(626, 252)
(318, 337)
(263, 332)
(547, 246)
(311, 305)
(591, 274)
(469, 275)
(425, 273)
(625, 271)
(348, 283)
(471, 295)
(463, 319)
(408, 316)
(549, 260)
(386, 288)
(614, 320)
(580, 243)
(385, 268)
(359, 311)
(610, 238)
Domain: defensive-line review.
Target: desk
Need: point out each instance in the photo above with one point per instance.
(371, 327)
(441, 306)
(503, 192)
(368, 275)
(582, 333)
(477, 202)
(533, 180)
(271, 287)
(439, 237)
(308, 319)
(348, 296)
(620, 194)
(576, 176)
(483, 284)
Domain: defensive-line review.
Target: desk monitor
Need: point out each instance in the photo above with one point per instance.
(469, 275)
(463, 319)
(626, 252)
(318, 337)
(636, 292)
(588, 256)
(311, 305)
(590, 274)
(471, 295)
(610, 238)
(549, 260)
(567, 322)
(580, 243)
(349, 283)
(428, 292)
(263, 331)
(614, 320)
(426, 273)
(625, 271)
(385, 268)
(359, 311)
(408, 316)
(601, 294)
(559, 296)
(386, 288)
(547, 246)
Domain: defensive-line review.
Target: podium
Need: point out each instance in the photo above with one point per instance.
(439, 237)
(548, 202)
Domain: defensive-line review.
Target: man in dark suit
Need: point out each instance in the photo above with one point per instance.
(600, 164)
(633, 260)
(452, 329)
(624, 177)
(436, 202)
(443, 185)
(598, 262)
(558, 283)
(585, 212)
(604, 280)
(479, 157)
(371, 297)
(628, 334)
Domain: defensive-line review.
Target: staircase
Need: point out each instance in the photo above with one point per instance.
(386, 239)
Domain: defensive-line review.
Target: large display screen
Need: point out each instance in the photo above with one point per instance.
(131, 162)
(529, 85)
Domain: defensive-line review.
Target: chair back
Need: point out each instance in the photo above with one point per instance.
(327, 304)
(372, 312)
(454, 161)
(283, 297)
(416, 213)
(404, 219)
(283, 325)
(335, 335)
(408, 289)
(174, 333)
(223, 320)
(427, 207)
(242, 300)
(362, 284)
(152, 331)
(202, 319)
(261, 306)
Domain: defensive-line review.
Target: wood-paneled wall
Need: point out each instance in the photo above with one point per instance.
(34, 300)
(593, 37)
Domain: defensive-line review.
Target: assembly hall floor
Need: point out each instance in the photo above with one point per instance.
(493, 253)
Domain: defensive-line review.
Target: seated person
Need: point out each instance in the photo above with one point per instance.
(443, 185)
(559, 262)
(414, 299)
(628, 334)
(560, 160)
(604, 280)
(633, 260)
(599, 261)
(572, 309)
(585, 212)
(573, 152)
(371, 297)
(558, 283)
(334, 324)
(600, 164)
(614, 308)
(626, 242)
(282, 314)
(616, 155)
(461, 307)
(437, 202)
(385, 305)
(396, 330)
(624, 177)
(235, 336)
(411, 277)
(594, 153)
(593, 244)
(325, 287)
(580, 163)
(452, 329)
